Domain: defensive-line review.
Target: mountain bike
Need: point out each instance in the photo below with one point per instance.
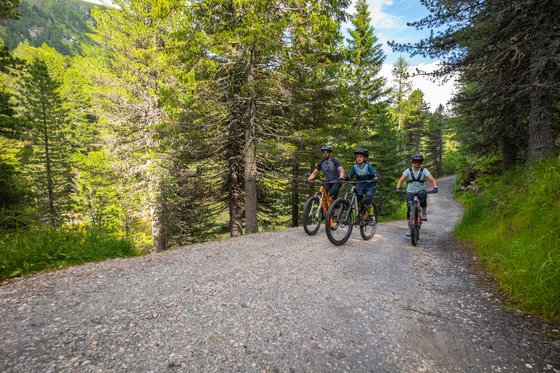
(346, 212)
(415, 216)
(315, 209)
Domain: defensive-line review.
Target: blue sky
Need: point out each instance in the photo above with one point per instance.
(389, 18)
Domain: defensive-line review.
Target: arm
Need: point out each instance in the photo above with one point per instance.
(434, 182)
(401, 180)
(313, 175)
(341, 171)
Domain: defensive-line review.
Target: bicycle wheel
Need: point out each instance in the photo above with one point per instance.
(413, 229)
(368, 225)
(339, 222)
(312, 214)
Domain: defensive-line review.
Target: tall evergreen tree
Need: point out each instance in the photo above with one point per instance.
(434, 141)
(133, 36)
(45, 122)
(248, 42)
(515, 41)
(365, 59)
(402, 87)
(416, 122)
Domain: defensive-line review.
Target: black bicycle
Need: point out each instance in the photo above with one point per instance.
(346, 212)
(415, 216)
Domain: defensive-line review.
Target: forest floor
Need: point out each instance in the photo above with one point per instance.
(279, 301)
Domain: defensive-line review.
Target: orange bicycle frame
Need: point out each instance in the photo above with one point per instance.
(325, 200)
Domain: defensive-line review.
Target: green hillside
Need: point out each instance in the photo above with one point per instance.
(62, 24)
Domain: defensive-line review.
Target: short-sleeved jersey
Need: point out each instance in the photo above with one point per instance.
(416, 186)
(329, 168)
(367, 172)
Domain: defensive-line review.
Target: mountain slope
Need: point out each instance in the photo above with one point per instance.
(62, 24)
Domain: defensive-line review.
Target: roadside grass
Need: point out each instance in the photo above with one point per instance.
(36, 249)
(514, 226)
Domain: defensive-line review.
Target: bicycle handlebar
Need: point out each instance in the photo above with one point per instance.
(404, 192)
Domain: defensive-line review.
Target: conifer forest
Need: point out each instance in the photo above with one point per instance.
(170, 122)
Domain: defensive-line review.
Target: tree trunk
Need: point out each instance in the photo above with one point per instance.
(159, 242)
(295, 193)
(542, 98)
(235, 200)
(250, 154)
(48, 166)
(541, 134)
(251, 225)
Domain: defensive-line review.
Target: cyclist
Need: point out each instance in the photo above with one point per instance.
(416, 176)
(332, 171)
(364, 171)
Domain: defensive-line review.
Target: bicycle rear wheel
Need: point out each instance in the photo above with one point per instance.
(369, 224)
(414, 230)
(312, 215)
(339, 222)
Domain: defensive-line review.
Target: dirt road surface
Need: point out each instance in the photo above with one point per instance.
(281, 301)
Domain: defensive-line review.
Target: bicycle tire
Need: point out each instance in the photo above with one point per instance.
(368, 231)
(339, 229)
(413, 231)
(311, 224)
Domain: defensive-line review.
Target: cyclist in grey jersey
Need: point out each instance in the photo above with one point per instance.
(332, 171)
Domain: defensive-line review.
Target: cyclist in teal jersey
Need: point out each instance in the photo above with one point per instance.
(364, 171)
(416, 176)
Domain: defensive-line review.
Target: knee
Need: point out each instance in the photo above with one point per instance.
(368, 200)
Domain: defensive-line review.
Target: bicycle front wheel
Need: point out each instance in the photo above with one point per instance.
(312, 214)
(339, 222)
(368, 226)
(414, 229)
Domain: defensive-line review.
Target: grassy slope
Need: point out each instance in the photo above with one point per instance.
(515, 227)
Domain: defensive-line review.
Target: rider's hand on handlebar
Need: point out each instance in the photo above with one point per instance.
(309, 181)
(398, 190)
(434, 190)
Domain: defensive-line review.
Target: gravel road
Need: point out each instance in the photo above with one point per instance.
(281, 301)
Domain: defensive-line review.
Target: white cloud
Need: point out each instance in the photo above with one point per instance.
(435, 93)
(382, 19)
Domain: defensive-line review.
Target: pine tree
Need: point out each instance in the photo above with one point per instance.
(45, 121)
(133, 36)
(416, 122)
(365, 59)
(434, 141)
(402, 86)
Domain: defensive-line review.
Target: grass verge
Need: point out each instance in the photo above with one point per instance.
(36, 249)
(514, 226)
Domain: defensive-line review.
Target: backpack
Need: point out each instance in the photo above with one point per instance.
(421, 177)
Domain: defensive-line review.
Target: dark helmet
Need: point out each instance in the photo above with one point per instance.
(362, 151)
(418, 157)
(326, 148)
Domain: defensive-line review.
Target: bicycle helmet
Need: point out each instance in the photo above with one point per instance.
(418, 157)
(362, 151)
(326, 148)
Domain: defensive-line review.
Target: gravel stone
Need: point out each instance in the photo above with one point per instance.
(277, 302)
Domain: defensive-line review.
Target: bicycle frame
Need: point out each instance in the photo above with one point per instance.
(414, 212)
(355, 205)
(350, 217)
(325, 199)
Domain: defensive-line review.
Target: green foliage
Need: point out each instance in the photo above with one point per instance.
(26, 251)
(514, 225)
(8, 9)
(60, 24)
